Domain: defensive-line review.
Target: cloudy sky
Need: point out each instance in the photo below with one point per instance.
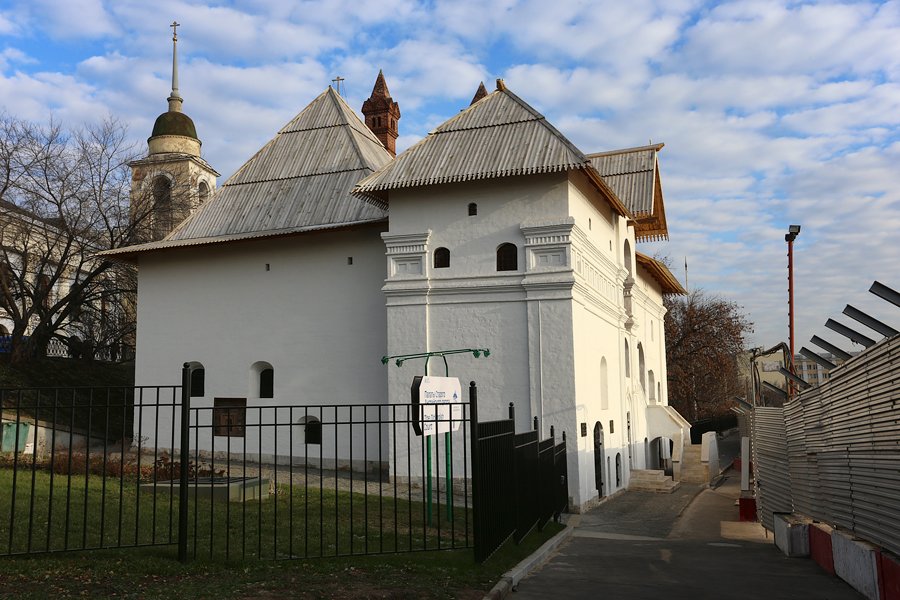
(772, 112)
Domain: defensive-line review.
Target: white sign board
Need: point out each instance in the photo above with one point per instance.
(440, 410)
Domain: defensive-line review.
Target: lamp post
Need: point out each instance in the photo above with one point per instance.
(790, 236)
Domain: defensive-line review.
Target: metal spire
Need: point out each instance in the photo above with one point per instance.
(175, 98)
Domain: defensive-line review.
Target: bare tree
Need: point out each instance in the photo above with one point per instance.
(63, 198)
(704, 339)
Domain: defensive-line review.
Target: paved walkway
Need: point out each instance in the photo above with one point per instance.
(685, 545)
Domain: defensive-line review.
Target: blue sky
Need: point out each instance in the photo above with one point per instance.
(772, 112)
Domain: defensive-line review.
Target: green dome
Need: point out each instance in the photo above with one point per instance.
(174, 123)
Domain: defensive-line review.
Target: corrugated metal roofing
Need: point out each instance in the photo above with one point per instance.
(498, 136)
(299, 181)
(631, 174)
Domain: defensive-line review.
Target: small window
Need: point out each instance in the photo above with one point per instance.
(441, 258)
(473, 209)
(507, 257)
(627, 360)
(203, 192)
(267, 383)
(229, 417)
(312, 430)
(198, 382)
(43, 290)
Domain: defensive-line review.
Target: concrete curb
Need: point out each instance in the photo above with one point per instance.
(511, 578)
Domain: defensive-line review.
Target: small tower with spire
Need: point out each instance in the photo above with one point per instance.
(172, 180)
(382, 114)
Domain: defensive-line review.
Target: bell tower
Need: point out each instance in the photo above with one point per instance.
(172, 180)
(382, 114)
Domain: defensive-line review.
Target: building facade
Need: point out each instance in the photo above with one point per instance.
(324, 253)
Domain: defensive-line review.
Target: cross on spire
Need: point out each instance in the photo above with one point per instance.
(337, 84)
(175, 97)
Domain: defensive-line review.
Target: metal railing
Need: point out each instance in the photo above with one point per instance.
(520, 482)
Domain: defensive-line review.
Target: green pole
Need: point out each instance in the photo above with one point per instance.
(448, 454)
(428, 477)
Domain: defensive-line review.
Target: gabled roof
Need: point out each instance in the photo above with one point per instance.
(500, 135)
(299, 181)
(661, 273)
(633, 174)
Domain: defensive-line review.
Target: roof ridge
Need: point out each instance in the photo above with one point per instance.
(656, 147)
(255, 181)
(572, 147)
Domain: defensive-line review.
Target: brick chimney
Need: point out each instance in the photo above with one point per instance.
(382, 114)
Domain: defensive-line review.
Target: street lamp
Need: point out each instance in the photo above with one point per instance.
(790, 236)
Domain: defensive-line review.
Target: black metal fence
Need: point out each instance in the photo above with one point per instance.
(521, 482)
(92, 468)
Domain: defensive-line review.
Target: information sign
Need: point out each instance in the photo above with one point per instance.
(436, 404)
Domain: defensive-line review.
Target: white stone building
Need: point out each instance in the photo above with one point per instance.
(324, 252)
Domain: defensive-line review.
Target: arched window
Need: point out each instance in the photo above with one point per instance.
(262, 380)
(641, 371)
(652, 387)
(202, 192)
(604, 384)
(3, 331)
(473, 209)
(312, 430)
(43, 290)
(627, 360)
(198, 380)
(626, 251)
(441, 258)
(162, 206)
(507, 257)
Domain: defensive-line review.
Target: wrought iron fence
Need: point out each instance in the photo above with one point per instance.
(95, 468)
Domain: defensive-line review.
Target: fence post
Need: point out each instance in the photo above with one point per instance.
(535, 423)
(512, 411)
(185, 454)
(476, 484)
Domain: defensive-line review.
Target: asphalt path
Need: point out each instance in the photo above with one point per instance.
(685, 545)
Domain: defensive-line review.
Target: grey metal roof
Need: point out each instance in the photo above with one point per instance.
(299, 181)
(631, 173)
(498, 136)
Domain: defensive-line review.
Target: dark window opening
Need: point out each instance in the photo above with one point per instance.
(473, 209)
(163, 218)
(198, 382)
(507, 257)
(229, 417)
(312, 431)
(441, 258)
(43, 290)
(618, 470)
(203, 192)
(267, 383)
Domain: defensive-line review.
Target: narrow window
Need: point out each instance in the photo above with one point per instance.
(627, 360)
(198, 381)
(203, 192)
(604, 384)
(473, 209)
(441, 258)
(267, 383)
(507, 257)
(162, 207)
(43, 290)
(229, 417)
(618, 470)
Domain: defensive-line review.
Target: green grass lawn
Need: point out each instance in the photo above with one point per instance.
(229, 539)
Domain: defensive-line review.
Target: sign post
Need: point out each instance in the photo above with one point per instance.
(428, 394)
(436, 410)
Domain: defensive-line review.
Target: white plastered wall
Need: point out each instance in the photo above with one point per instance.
(292, 302)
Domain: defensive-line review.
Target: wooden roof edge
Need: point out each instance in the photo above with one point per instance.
(662, 274)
